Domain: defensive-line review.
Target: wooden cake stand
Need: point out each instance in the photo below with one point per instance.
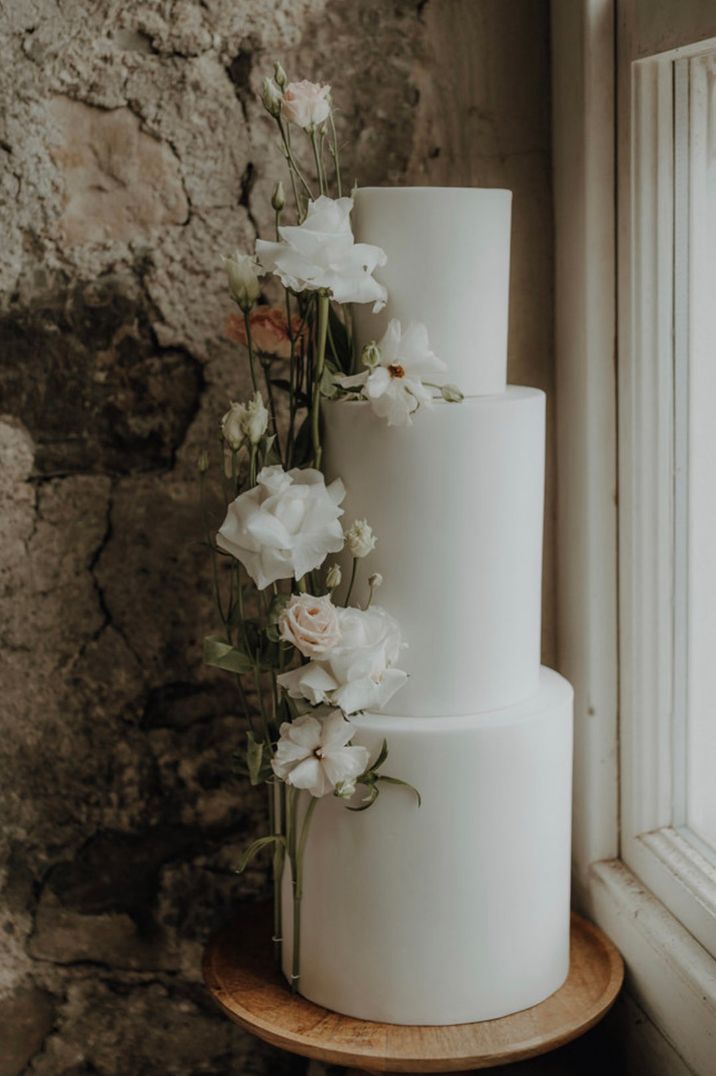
(240, 975)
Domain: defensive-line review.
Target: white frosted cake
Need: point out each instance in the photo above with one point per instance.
(457, 911)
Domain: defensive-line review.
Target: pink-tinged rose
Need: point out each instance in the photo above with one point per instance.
(269, 330)
(311, 624)
(306, 103)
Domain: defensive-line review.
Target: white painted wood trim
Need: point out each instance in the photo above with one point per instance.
(584, 170)
(668, 972)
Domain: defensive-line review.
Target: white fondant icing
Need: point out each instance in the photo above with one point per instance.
(456, 502)
(448, 266)
(458, 910)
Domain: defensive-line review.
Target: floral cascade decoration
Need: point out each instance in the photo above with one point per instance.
(303, 660)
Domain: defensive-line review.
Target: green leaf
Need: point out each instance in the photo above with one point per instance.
(369, 800)
(222, 655)
(302, 447)
(328, 384)
(402, 784)
(254, 758)
(255, 847)
(338, 341)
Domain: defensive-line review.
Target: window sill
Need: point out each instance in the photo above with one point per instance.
(670, 975)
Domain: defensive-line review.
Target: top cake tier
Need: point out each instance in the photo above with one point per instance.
(448, 266)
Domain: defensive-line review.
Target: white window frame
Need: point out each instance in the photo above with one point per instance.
(629, 860)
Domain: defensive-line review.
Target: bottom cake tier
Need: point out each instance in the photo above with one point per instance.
(458, 910)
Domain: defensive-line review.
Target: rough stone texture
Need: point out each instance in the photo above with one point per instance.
(133, 153)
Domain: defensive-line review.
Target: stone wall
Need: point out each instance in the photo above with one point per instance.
(133, 153)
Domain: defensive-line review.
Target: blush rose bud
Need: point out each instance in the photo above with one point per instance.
(278, 198)
(243, 272)
(360, 538)
(271, 98)
(370, 355)
(334, 576)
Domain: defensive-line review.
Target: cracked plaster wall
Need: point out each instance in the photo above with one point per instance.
(133, 153)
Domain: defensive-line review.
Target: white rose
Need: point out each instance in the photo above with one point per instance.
(243, 271)
(313, 754)
(311, 624)
(394, 385)
(360, 538)
(306, 103)
(358, 672)
(285, 526)
(321, 253)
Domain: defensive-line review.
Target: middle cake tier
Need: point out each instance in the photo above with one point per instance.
(456, 501)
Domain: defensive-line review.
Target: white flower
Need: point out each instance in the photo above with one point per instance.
(321, 253)
(306, 103)
(243, 271)
(245, 422)
(313, 753)
(375, 580)
(360, 538)
(285, 526)
(357, 673)
(334, 576)
(311, 624)
(394, 386)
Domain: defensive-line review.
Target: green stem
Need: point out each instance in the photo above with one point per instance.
(250, 346)
(354, 571)
(334, 153)
(323, 302)
(297, 878)
(275, 822)
(272, 406)
(293, 169)
(319, 163)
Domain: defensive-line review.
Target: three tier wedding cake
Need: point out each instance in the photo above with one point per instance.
(459, 911)
(415, 756)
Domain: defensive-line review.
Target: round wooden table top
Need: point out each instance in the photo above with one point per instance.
(241, 976)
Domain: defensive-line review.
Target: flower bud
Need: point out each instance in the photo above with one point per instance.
(279, 75)
(375, 580)
(334, 576)
(255, 419)
(345, 790)
(271, 97)
(231, 426)
(360, 538)
(202, 461)
(278, 198)
(452, 394)
(243, 272)
(370, 355)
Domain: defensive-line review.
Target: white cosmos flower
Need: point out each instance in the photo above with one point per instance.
(394, 386)
(358, 672)
(321, 253)
(313, 754)
(285, 526)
